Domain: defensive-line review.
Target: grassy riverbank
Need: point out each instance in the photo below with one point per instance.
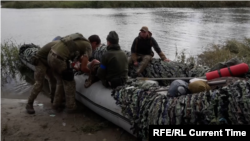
(122, 4)
(10, 63)
(223, 52)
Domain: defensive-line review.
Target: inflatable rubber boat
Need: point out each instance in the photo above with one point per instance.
(139, 104)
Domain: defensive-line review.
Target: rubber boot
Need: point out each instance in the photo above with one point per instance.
(29, 108)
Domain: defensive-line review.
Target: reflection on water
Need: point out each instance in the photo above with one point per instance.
(19, 85)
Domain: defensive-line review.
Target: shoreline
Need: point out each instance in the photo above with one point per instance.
(48, 126)
(125, 4)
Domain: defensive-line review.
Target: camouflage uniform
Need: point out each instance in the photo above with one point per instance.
(144, 61)
(62, 86)
(57, 60)
(42, 71)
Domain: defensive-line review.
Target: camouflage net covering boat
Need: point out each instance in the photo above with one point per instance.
(160, 69)
(147, 104)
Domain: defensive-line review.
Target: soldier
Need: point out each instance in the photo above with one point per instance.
(89, 65)
(42, 70)
(71, 47)
(113, 70)
(142, 50)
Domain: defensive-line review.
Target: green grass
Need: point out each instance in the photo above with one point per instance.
(217, 53)
(10, 62)
(122, 4)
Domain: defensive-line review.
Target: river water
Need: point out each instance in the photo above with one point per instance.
(182, 28)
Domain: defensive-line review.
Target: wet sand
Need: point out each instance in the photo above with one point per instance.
(47, 125)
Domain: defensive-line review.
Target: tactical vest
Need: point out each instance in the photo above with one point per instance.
(71, 45)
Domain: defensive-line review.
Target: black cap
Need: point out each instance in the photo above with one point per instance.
(113, 37)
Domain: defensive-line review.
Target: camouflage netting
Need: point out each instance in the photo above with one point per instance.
(28, 50)
(160, 69)
(144, 106)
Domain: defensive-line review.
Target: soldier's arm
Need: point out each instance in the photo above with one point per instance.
(85, 59)
(84, 62)
(158, 50)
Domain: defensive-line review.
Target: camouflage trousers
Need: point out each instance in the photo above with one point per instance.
(62, 86)
(143, 62)
(93, 67)
(41, 72)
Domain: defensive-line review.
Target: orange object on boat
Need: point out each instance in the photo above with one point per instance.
(235, 70)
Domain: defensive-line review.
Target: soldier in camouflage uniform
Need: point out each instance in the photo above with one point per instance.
(142, 49)
(71, 47)
(42, 71)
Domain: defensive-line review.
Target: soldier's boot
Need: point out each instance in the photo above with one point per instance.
(69, 88)
(35, 91)
(92, 79)
(30, 108)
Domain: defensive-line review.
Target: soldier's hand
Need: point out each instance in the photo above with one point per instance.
(166, 60)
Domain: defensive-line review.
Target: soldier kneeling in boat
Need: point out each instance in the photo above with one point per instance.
(141, 50)
(113, 70)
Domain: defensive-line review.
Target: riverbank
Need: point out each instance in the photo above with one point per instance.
(47, 125)
(123, 4)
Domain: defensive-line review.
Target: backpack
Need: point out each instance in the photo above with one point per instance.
(198, 86)
(71, 45)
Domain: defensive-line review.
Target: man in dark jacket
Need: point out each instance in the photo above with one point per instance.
(142, 50)
(113, 70)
